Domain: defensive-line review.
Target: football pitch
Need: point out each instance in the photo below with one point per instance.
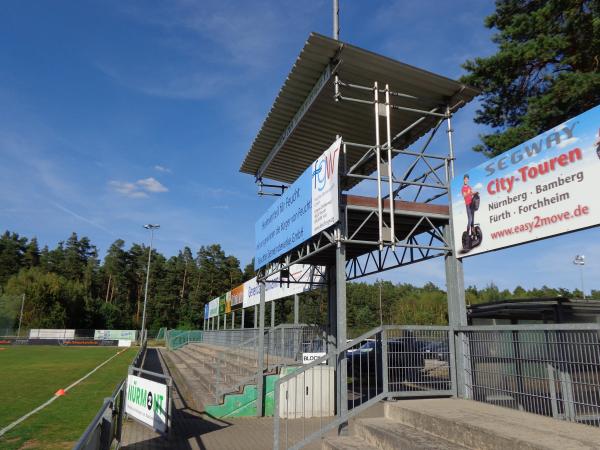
(30, 375)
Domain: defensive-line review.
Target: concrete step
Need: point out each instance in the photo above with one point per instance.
(478, 425)
(211, 363)
(198, 376)
(211, 356)
(346, 443)
(193, 393)
(386, 434)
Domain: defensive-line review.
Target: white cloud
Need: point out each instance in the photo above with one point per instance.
(151, 184)
(478, 186)
(139, 189)
(163, 169)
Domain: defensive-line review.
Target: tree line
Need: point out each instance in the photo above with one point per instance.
(69, 286)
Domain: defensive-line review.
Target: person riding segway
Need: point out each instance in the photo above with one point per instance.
(472, 237)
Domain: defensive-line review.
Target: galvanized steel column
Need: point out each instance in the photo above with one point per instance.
(296, 309)
(340, 290)
(243, 312)
(457, 314)
(272, 313)
(255, 316)
(261, 354)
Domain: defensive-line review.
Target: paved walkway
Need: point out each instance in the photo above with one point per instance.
(194, 430)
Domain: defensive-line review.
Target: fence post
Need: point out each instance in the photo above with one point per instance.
(384, 361)
(261, 354)
(276, 389)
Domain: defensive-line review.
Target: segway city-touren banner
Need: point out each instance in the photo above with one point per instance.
(544, 187)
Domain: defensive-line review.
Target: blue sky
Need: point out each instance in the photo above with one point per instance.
(118, 113)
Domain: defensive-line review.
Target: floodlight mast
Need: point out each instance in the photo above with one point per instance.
(580, 261)
(150, 227)
(336, 20)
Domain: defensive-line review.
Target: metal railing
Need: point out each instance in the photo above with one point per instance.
(235, 363)
(230, 357)
(107, 425)
(389, 361)
(551, 370)
(176, 339)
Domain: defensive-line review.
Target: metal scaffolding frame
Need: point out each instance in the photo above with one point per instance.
(380, 109)
(424, 179)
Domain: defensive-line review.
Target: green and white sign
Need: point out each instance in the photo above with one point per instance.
(147, 402)
(125, 335)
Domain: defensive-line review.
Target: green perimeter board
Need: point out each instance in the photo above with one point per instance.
(32, 374)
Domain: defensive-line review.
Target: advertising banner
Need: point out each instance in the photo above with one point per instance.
(228, 302)
(115, 334)
(213, 308)
(307, 207)
(274, 290)
(544, 187)
(147, 402)
(237, 297)
(206, 311)
(221, 305)
(51, 333)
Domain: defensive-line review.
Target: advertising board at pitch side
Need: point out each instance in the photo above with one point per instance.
(146, 401)
(544, 187)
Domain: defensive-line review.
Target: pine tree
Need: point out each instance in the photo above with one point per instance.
(546, 69)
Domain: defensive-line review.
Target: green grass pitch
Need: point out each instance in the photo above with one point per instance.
(30, 375)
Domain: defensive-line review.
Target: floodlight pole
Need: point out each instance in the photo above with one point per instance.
(150, 227)
(336, 19)
(580, 261)
(21, 316)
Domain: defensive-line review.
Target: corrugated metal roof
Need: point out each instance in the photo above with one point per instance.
(326, 118)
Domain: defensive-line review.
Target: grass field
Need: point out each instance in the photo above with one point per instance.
(30, 375)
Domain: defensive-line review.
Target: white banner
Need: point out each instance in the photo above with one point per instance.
(213, 308)
(50, 333)
(115, 335)
(275, 291)
(147, 402)
(325, 189)
(308, 206)
(544, 187)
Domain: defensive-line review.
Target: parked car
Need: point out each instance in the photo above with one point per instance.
(437, 350)
(406, 357)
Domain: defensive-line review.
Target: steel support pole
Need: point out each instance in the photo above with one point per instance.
(455, 286)
(243, 313)
(232, 320)
(255, 316)
(340, 291)
(331, 312)
(296, 309)
(261, 354)
(272, 313)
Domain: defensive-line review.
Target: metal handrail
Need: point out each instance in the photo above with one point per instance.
(109, 404)
(378, 386)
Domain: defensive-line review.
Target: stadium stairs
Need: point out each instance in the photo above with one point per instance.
(449, 424)
(195, 368)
